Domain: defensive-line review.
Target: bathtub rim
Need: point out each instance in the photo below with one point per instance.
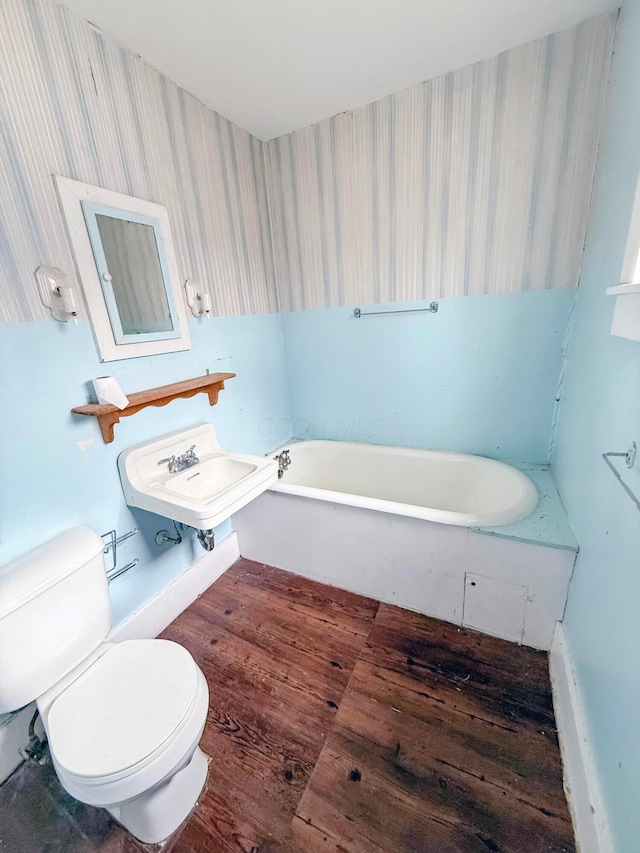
(441, 516)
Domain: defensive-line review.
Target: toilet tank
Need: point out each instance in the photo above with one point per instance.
(54, 611)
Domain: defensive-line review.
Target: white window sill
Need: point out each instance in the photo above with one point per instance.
(626, 314)
(623, 289)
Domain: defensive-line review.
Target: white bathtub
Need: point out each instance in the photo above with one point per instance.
(449, 488)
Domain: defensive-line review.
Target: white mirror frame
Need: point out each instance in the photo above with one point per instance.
(72, 194)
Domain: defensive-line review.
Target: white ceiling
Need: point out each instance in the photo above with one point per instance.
(272, 66)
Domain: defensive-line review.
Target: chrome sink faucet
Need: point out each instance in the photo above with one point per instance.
(182, 462)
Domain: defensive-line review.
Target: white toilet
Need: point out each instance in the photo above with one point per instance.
(123, 720)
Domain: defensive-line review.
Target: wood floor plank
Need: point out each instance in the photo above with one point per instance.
(277, 670)
(498, 677)
(362, 797)
(351, 804)
(268, 621)
(400, 719)
(327, 604)
(219, 829)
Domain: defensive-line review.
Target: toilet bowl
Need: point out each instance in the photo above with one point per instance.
(125, 720)
(125, 723)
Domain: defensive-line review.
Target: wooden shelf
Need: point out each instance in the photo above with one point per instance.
(109, 416)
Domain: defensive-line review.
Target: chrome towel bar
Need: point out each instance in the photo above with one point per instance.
(432, 309)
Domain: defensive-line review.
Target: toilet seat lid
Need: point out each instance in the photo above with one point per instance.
(123, 708)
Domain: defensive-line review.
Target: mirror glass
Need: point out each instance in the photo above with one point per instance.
(126, 263)
(137, 281)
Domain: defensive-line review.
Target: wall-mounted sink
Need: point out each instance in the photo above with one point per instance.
(206, 492)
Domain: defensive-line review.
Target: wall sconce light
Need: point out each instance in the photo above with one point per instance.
(55, 295)
(198, 300)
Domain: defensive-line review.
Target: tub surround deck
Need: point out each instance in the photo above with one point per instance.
(548, 525)
(339, 723)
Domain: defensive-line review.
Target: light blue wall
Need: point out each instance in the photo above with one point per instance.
(49, 483)
(479, 376)
(600, 413)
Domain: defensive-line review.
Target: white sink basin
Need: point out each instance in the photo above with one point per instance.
(210, 479)
(201, 496)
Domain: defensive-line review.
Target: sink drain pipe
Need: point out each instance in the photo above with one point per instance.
(207, 539)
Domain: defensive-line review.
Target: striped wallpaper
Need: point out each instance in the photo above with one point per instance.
(475, 182)
(73, 102)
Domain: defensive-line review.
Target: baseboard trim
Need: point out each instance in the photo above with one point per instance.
(580, 778)
(160, 611)
(147, 622)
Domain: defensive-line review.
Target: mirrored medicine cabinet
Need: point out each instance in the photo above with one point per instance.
(127, 267)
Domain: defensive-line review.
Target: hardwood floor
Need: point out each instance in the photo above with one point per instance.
(338, 724)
